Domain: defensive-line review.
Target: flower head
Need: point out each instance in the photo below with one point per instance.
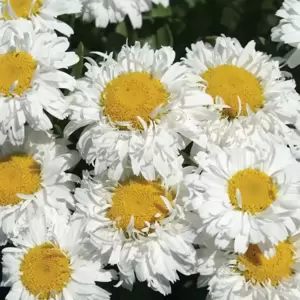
(136, 111)
(34, 179)
(140, 226)
(259, 100)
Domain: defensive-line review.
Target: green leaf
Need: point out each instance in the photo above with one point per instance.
(77, 69)
(188, 161)
(58, 130)
(164, 36)
(211, 39)
(161, 12)
(122, 29)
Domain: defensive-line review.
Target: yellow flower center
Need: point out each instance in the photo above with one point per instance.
(19, 174)
(229, 82)
(16, 72)
(142, 200)
(259, 269)
(257, 190)
(45, 271)
(131, 95)
(22, 8)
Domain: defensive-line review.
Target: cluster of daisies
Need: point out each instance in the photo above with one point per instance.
(193, 165)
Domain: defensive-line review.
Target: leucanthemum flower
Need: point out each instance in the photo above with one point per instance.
(252, 276)
(134, 108)
(34, 179)
(260, 100)
(115, 11)
(42, 13)
(52, 265)
(251, 195)
(140, 226)
(30, 80)
(288, 29)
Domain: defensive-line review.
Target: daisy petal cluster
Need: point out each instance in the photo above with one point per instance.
(244, 198)
(248, 217)
(114, 11)
(50, 258)
(176, 166)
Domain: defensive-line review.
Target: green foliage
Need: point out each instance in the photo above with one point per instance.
(78, 68)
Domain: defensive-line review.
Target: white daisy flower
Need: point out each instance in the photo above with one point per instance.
(253, 276)
(33, 178)
(252, 195)
(30, 81)
(52, 265)
(288, 29)
(140, 226)
(135, 107)
(41, 13)
(260, 100)
(115, 11)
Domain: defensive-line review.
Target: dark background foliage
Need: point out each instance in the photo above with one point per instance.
(183, 23)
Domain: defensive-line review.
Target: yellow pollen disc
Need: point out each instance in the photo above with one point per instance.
(229, 82)
(258, 269)
(19, 174)
(142, 200)
(131, 95)
(258, 191)
(45, 271)
(16, 68)
(22, 8)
